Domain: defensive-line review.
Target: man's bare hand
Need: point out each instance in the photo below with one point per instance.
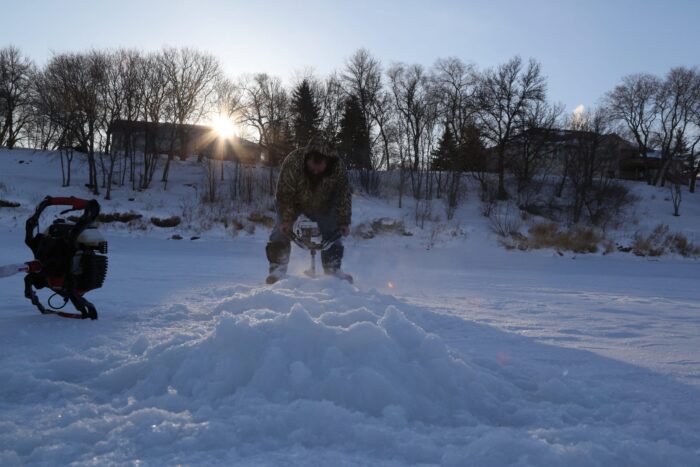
(345, 230)
(286, 227)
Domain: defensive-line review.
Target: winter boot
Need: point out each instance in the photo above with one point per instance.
(278, 256)
(331, 260)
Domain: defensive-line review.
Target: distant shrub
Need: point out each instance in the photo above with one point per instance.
(532, 209)
(609, 247)
(167, 222)
(106, 218)
(119, 217)
(237, 224)
(8, 204)
(504, 219)
(386, 225)
(364, 231)
(608, 203)
(380, 226)
(261, 218)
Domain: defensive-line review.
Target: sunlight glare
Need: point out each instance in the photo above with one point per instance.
(224, 127)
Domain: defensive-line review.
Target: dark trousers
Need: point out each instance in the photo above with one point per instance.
(278, 247)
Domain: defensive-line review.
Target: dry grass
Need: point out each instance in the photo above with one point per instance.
(237, 224)
(660, 241)
(652, 244)
(578, 238)
(680, 244)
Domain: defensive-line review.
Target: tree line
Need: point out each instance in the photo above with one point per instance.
(429, 124)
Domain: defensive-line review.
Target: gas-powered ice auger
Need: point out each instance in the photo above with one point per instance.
(307, 236)
(66, 257)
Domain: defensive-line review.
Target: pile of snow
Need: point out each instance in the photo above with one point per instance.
(310, 372)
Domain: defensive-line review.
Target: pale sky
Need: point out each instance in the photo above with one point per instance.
(585, 47)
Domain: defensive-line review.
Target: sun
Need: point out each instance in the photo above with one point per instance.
(224, 127)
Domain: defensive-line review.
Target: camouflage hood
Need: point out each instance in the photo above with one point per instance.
(320, 145)
(296, 194)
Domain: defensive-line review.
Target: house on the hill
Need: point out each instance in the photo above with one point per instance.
(615, 156)
(181, 140)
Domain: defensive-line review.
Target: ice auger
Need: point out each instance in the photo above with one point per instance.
(307, 236)
(69, 257)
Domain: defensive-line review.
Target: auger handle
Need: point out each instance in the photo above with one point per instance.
(75, 203)
(91, 210)
(323, 246)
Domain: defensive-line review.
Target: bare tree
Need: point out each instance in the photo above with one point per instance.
(416, 109)
(134, 85)
(228, 105)
(693, 155)
(55, 109)
(363, 77)
(384, 115)
(228, 101)
(72, 84)
(529, 156)
(595, 195)
(503, 97)
(416, 105)
(332, 97)
(456, 85)
(633, 102)
(155, 96)
(17, 74)
(266, 111)
(45, 127)
(676, 196)
(192, 78)
(87, 84)
(122, 94)
(675, 103)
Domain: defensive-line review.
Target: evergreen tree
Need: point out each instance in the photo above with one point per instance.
(353, 139)
(471, 155)
(445, 156)
(306, 114)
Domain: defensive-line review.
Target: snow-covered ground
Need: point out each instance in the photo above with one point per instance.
(448, 350)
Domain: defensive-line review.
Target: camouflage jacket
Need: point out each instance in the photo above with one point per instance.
(296, 196)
